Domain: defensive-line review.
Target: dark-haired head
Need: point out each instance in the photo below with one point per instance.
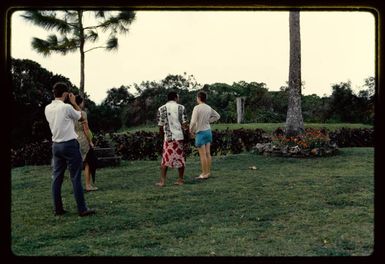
(202, 96)
(172, 96)
(79, 99)
(59, 89)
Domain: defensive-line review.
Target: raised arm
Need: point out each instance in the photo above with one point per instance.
(214, 116)
(75, 114)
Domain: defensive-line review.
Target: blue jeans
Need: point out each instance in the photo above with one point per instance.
(67, 153)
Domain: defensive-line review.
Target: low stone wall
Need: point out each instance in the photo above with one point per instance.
(269, 149)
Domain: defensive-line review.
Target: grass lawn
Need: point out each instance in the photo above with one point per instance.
(286, 207)
(268, 127)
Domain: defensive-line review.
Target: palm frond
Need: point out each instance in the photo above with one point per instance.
(100, 14)
(118, 22)
(112, 43)
(47, 21)
(126, 17)
(91, 35)
(52, 40)
(41, 46)
(122, 29)
(52, 44)
(67, 45)
(110, 23)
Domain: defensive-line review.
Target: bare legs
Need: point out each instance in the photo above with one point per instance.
(180, 180)
(205, 157)
(87, 175)
(163, 175)
(208, 157)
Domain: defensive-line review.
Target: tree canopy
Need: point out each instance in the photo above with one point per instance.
(137, 104)
(74, 33)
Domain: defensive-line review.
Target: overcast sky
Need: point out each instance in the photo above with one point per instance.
(219, 46)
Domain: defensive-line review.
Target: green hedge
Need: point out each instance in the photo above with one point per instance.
(358, 137)
(143, 145)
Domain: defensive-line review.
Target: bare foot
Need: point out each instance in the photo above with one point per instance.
(159, 184)
(91, 188)
(203, 176)
(179, 182)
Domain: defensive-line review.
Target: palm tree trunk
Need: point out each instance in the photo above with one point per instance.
(82, 54)
(294, 120)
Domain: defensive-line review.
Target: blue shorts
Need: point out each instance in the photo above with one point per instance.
(203, 138)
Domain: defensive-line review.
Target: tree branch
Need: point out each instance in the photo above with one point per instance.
(100, 47)
(93, 27)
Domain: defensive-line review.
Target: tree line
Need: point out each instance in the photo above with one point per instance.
(122, 108)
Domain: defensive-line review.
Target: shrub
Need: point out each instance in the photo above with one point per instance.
(148, 145)
(236, 141)
(353, 137)
(101, 140)
(138, 145)
(36, 153)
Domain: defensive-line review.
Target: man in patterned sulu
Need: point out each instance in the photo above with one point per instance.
(172, 120)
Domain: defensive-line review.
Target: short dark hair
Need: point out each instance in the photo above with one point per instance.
(59, 88)
(202, 96)
(172, 95)
(79, 99)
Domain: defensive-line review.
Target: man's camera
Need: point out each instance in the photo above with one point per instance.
(67, 99)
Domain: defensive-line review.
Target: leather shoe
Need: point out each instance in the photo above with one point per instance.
(61, 212)
(87, 212)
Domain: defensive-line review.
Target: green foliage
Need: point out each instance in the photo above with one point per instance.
(314, 108)
(151, 95)
(74, 34)
(360, 137)
(143, 145)
(237, 140)
(221, 97)
(69, 24)
(260, 105)
(138, 145)
(32, 91)
(148, 145)
(345, 106)
(102, 140)
(118, 97)
(36, 153)
(285, 207)
(104, 119)
(32, 85)
(268, 127)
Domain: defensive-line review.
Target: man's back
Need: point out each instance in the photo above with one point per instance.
(61, 117)
(171, 117)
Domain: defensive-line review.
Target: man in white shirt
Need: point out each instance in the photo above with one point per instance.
(171, 120)
(65, 147)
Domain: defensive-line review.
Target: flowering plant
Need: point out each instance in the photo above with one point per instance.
(310, 139)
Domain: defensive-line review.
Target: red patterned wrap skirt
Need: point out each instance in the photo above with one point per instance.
(173, 154)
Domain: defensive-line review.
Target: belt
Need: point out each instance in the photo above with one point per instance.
(61, 142)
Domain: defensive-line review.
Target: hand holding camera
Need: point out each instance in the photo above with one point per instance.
(72, 98)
